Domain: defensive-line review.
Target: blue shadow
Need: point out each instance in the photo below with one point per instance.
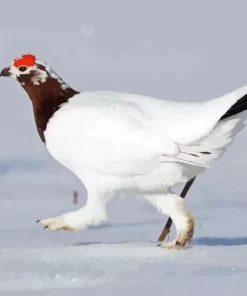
(220, 241)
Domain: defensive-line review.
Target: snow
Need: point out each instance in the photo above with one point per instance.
(160, 50)
(133, 267)
(121, 256)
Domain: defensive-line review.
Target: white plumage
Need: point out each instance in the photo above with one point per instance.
(117, 141)
(125, 135)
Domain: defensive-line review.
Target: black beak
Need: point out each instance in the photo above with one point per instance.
(5, 72)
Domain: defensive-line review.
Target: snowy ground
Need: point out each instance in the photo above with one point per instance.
(177, 50)
(121, 256)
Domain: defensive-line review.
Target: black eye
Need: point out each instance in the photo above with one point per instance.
(23, 69)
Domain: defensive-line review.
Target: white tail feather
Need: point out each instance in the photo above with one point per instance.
(214, 145)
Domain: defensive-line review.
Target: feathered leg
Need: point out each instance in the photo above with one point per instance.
(173, 205)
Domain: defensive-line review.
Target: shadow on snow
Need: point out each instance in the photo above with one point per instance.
(220, 241)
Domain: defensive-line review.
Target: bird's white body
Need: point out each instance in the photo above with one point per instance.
(126, 138)
(117, 141)
(117, 138)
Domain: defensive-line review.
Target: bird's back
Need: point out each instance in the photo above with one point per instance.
(185, 122)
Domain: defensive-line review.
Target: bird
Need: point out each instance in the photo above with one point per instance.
(117, 142)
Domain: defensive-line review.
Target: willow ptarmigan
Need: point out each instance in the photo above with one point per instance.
(126, 142)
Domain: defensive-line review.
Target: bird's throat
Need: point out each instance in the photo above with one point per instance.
(47, 98)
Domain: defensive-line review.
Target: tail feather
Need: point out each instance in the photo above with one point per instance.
(203, 152)
(238, 107)
(216, 143)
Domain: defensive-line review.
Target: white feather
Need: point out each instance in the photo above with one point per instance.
(125, 134)
(118, 141)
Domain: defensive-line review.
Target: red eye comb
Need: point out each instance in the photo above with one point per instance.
(26, 60)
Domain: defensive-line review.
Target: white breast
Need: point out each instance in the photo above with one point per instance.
(105, 139)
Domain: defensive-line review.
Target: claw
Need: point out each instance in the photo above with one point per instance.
(59, 223)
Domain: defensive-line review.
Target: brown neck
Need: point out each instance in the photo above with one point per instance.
(46, 99)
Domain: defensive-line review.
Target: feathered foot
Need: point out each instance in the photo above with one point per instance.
(184, 236)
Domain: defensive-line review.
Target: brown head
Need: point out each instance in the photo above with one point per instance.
(45, 88)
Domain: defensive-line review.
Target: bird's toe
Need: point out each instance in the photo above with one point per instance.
(56, 224)
(168, 245)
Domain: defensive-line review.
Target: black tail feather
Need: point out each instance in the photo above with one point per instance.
(238, 107)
